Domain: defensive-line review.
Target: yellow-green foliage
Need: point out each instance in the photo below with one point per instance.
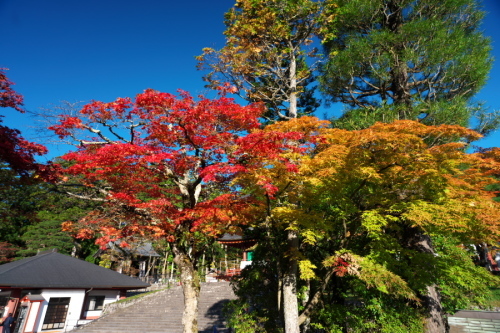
(373, 274)
(377, 276)
(294, 217)
(306, 269)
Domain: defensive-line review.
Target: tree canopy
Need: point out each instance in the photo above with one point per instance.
(406, 60)
(268, 56)
(162, 166)
(357, 197)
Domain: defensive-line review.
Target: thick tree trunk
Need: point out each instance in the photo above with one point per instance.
(290, 303)
(191, 289)
(435, 321)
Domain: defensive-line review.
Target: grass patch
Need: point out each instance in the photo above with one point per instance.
(131, 298)
(494, 301)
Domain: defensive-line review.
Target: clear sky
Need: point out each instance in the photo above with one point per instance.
(103, 49)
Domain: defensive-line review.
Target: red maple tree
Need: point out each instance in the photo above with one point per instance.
(16, 151)
(162, 165)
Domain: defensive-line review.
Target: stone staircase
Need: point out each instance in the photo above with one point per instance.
(161, 312)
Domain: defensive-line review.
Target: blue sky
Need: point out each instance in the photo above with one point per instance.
(103, 49)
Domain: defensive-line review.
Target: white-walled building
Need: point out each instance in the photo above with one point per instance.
(53, 292)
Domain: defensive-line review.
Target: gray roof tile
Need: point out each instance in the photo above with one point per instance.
(55, 270)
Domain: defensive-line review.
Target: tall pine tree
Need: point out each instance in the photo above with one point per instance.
(406, 59)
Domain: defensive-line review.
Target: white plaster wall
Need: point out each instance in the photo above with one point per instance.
(244, 264)
(30, 322)
(110, 297)
(74, 309)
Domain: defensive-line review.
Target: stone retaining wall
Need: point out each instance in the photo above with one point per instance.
(475, 321)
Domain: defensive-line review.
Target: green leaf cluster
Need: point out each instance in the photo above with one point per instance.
(406, 60)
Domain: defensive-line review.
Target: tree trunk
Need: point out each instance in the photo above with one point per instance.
(165, 264)
(204, 270)
(435, 322)
(290, 304)
(304, 324)
(171, 272)
(292, 110)
(399, 73)
(191, 289)
(315, 299)
(482, 251)
(280, 288)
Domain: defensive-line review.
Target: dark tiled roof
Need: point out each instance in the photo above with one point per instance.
(230, 237)
(235, 237)
(146, 250)
(237, 241)
(55, 270)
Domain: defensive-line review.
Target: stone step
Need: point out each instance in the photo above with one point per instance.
(161, 312)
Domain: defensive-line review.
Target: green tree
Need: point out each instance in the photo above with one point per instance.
(46, 234)
(25, 204)
(357, 199)
(405, 59)
(268, 56)
(18, 205)
(55, 209)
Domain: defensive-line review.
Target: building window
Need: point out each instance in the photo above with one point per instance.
(56, 313)
(95, 303)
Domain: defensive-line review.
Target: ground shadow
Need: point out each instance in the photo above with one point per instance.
(215, 317)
